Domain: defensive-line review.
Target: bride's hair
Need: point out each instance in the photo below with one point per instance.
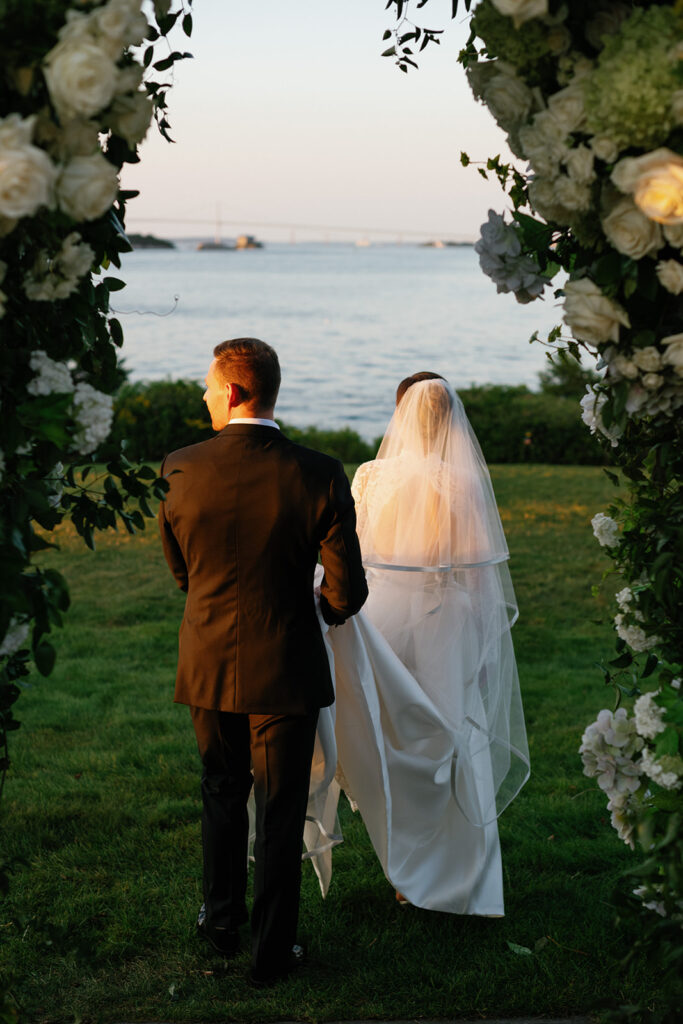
(415, 378)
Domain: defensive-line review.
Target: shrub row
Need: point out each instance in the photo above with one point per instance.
(513, 424)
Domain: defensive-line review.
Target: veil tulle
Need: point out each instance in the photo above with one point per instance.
(435, 551)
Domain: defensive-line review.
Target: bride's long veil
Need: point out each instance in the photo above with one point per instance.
(441, 593)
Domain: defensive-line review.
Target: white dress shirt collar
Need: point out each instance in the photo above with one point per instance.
(249, 419)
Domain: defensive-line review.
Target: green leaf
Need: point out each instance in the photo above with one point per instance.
(391, 52)
(44, 656)
(650, 666)
(521, 950)
(113, 284)
(116, 332)
(464, 159)
(666, 743)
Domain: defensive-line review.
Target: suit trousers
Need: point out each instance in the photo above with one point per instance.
(279, 749)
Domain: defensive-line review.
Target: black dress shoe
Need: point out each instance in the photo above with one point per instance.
(224, 941)
(263, 979)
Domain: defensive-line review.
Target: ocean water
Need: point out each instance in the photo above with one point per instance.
(348, 322)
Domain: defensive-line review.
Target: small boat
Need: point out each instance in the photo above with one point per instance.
(248, 242)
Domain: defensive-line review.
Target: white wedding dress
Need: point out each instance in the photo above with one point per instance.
(427, 728)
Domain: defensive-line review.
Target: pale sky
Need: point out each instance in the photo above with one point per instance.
(289, 115)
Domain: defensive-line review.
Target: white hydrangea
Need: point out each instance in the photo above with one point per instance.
(56, 278)
(624, 598)
(50, 378)
(605, 530)
(665, 771)
(93, 411)
(591, 414)
(635, 636)
(501, 258)
(15, 637)
(607, 750)
(648, 716)
(623, 816)
(656, 905)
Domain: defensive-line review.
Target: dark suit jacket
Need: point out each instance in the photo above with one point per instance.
(242, 526)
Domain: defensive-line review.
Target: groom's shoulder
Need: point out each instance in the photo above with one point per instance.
(312, 460)
(191, 453)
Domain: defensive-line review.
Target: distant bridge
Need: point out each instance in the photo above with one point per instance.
(319, 229)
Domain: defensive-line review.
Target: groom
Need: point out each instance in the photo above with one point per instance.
(246, 516)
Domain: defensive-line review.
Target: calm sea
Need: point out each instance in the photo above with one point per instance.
(348, 322)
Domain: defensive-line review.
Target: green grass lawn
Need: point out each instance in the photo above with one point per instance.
(102, 803)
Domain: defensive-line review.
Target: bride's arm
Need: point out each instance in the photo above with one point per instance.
(360, 479)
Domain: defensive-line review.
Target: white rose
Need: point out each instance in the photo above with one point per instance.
(81, 78)
(543, 199)
(648, 359)
(16, 132)
(27, 177)
(543, 144)
(480, 73)
(579, 164)
(567, 108)
(674, 352)
(630, 231)
(121, 24)
(79, 138)
(572, 194)
(521, 10)
(591, 316)
(87, 187)
(670, 274)
(604, 148)
(130, 117)
(656, 181)
(605, 530)
(621, 366)
(674, 235)
(508, 99)
(652, 381)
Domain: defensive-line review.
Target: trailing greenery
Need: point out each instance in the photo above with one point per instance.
(103, 805)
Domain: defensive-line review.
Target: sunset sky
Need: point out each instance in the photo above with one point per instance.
(289, 115)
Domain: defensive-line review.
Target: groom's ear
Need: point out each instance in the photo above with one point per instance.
(234, 395)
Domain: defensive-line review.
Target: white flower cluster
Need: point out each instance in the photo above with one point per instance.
(84, 82)
(631, 632)
(624, 100)
(501, 258)
(94, 412)
(591, 414)
(605, 530)
(50, 378)
(92, 409)
(648, 716)
(666, 771)
(57, 277)
(608, 750)
(15, 637)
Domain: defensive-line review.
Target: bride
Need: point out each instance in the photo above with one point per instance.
(430, 737)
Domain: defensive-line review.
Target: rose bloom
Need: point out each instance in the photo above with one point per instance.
(507, 97)
(521, 10)
(656, 181)
(648, 359)
(27, 177)
(630, 231)
(567, 108)
(604, 148)
(670, 274)
(579, 164)
(130, 117)
(591, 316)
(81, 78)
(87, 187)
(674, 235)
(673, 355)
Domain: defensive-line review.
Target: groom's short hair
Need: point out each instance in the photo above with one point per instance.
(253, 366)
(415, 378)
